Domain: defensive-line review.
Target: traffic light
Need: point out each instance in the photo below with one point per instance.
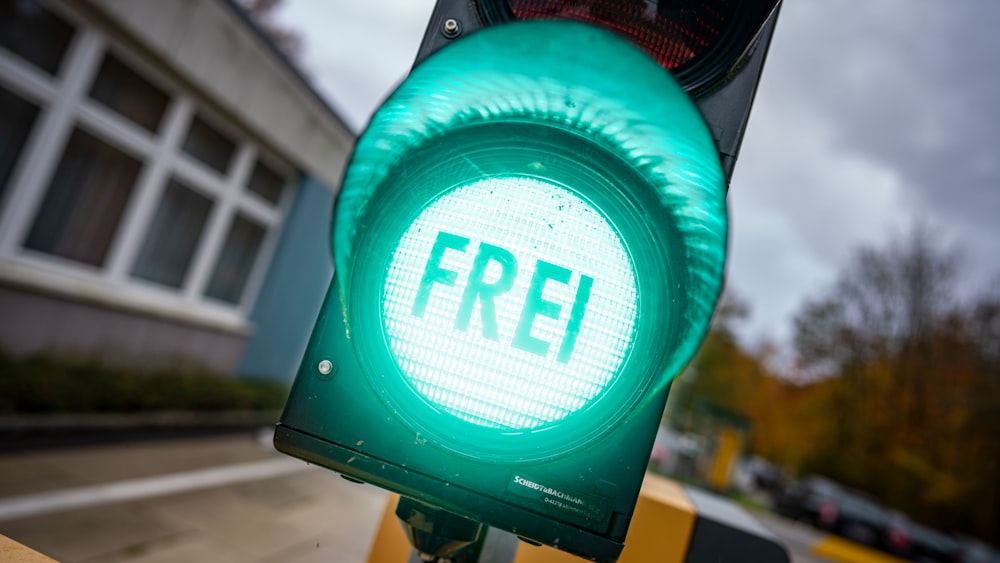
(529, 243)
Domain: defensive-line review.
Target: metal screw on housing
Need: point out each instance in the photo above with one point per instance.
(451, 27)
(325, 367)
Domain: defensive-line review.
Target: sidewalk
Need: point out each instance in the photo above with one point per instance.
(306, 514)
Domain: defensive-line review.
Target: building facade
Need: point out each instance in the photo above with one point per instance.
(166, 180)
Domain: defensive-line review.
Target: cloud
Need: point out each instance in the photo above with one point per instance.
(869, 115)
(800, 202)
(358, 51)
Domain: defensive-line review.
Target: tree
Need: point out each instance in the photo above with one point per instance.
(911, 383)
(262, 12)
(710, 376)
(886, 300)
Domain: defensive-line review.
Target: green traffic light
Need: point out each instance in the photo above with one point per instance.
(529, 243)
(530, 239)
(491, 333)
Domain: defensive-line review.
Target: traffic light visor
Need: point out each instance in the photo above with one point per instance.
(530, 239)
(700, 41)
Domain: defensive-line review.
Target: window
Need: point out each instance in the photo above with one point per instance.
(84, 201)
(266, 183)
(236, 260)
(208, 145)
(34, 33)
(116, 183)
(17, 116)
(173, 236)
(121, 89)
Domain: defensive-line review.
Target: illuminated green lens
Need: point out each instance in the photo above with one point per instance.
(510, 303)
(530, 239)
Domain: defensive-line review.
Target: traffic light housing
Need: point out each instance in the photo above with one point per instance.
(529, 243)
(714, 48)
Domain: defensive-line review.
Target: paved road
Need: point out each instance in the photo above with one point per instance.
(219, 499)
(798, 538)
(212, 499)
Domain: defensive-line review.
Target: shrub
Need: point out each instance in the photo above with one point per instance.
(46, 384)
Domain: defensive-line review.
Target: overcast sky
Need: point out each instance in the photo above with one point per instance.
(870, 115)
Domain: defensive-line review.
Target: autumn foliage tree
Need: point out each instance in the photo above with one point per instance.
(263, 13)
(896, 390)
(912, 376)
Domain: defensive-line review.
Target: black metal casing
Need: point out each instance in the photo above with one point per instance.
(725, 104)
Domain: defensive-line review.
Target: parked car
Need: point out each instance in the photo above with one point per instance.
(977, 552)
(828, 506)
(864, 522)
(805, 499)
(932, 546)
(764, 475)
(897, 537)
(674, 454)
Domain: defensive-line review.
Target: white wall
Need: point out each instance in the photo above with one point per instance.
(208, 44)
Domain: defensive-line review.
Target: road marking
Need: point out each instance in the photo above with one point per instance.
(37, 504)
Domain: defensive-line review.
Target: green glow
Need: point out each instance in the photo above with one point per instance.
(530, 239)
(520, 315)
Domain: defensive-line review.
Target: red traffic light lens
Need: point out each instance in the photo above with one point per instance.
(699, 41)
(673, 33)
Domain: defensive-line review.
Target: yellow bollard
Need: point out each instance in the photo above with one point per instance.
(13, 552)
(730, 442)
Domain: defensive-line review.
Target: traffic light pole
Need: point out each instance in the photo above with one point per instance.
(440, 536)
(437, 534)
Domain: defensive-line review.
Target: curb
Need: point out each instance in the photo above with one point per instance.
(20, 432)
